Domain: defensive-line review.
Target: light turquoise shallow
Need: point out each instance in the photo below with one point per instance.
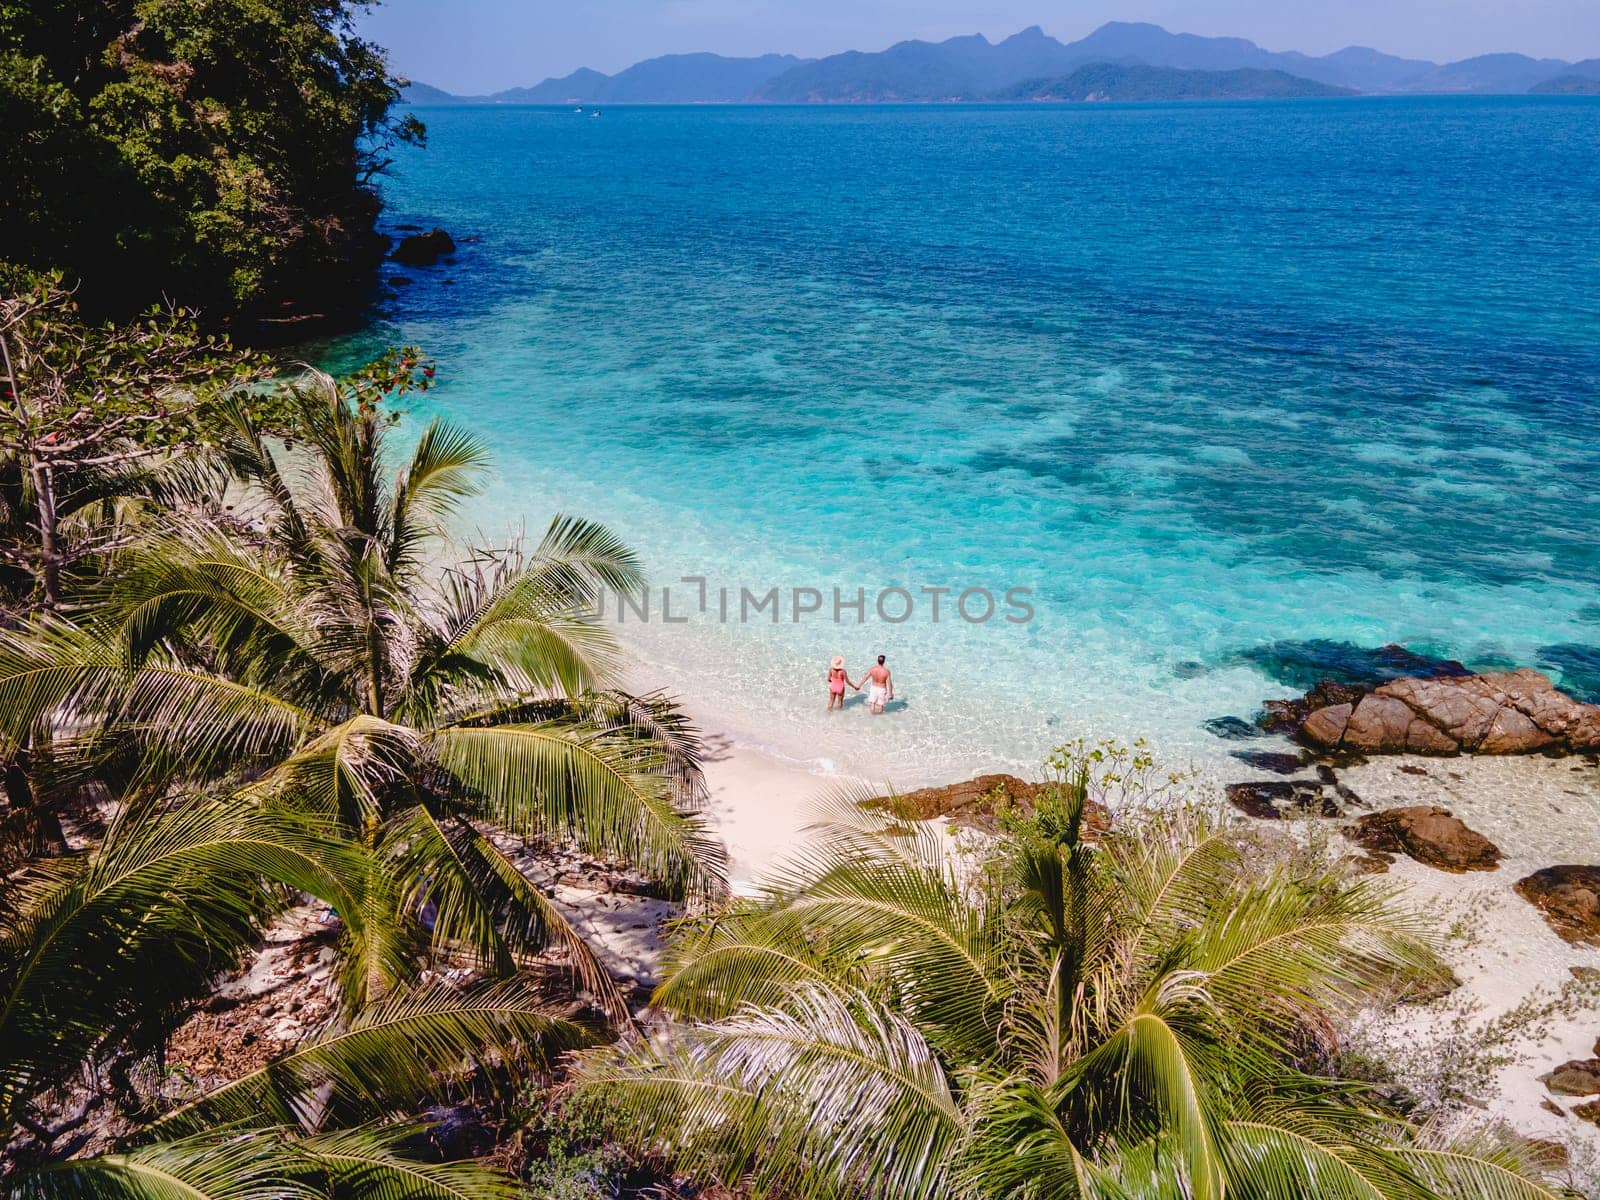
(1208, 378)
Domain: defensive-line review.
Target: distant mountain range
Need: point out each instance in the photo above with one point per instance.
(1118, 61)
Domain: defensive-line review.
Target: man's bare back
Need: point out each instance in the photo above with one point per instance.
(880, 686)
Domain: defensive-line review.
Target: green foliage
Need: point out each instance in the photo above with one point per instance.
(234, 140)
(1113, 1018)
(97, 420)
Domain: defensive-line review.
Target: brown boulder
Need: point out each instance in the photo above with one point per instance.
(1569, 898)
(1510, 712)
(1325, 727)
(1589, 1112)
(1580, 1077)
(972, 802)
(1428, 834)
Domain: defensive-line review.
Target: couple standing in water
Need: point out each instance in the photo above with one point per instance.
(880, 684)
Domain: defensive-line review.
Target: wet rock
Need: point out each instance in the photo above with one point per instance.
(973, 802)
(1276, 762)
(1429, 834)
(1579, 1077)
(1515, 712)
(1232, 729)
(424, 249)
(1345, 793)
(1279, 799)
(1569, 898)
(1288, 715)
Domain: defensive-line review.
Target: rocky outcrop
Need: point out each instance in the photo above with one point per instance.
(972, 803)
(1513, 712)
(424, 249)
(1429, 834)
(1569, 898)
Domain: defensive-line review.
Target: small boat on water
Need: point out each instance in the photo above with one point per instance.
(579, 109)
(595, 113)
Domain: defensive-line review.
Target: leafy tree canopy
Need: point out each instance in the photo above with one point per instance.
(217, 151)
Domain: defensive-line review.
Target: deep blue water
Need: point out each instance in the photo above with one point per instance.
(1206, 377)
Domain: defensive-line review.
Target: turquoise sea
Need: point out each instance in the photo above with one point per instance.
(1229, 387)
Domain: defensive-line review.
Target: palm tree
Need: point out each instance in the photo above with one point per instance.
(309, 650)
(101, 952)
(1121, 1019)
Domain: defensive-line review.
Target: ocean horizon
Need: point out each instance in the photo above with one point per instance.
(1227, 391)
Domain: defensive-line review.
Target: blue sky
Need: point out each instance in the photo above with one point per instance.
(483, 45)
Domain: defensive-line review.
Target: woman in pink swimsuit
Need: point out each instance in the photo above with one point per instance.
(837, 678)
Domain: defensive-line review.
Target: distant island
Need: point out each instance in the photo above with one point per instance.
(1119, 61)
(1113, 81)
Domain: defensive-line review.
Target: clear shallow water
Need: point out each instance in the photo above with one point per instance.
(1204, 377)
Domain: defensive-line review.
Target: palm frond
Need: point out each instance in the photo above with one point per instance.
(579, 556)
(480, 898)
(391, 1053)
(170, 899)
(606, 792)
(822, 1095)
(253, 1165)
(373, 1164)
(446, 465)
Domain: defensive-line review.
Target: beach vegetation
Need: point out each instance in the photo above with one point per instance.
(1131, 1015)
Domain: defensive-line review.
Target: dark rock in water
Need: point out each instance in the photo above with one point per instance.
(1515, 712)
(1428, 834)
(1580, 1077)
(1345, 793)
(972, 803)
(1569, 898)
(1232, 729)
(1275, 761)
(1304, 663)
(1578, 666)
(424, 249)
(1279, 799)
(1188, 669)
